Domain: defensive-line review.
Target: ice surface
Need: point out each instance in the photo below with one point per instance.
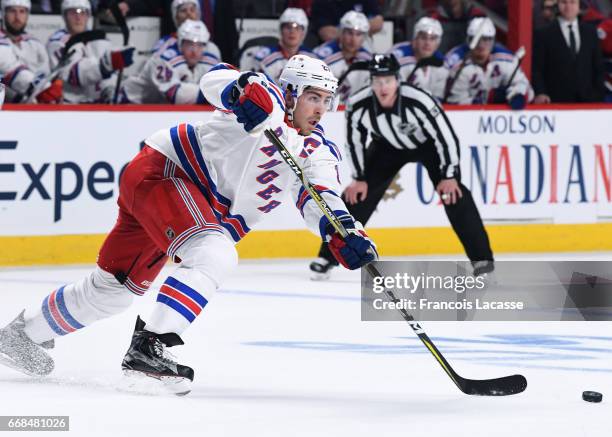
(278, 355)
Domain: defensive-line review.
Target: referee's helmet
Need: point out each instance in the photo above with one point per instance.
(384, 65)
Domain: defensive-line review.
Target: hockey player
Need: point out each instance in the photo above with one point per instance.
(87, 75)
(23, 59)
(425, 42)
(190, 195)
(340, 54)
(182, 10)
(485, 74)
(173, 76)
(293, 27)
(406, 124)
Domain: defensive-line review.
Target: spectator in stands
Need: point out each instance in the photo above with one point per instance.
(568, 65)
(88, 69)
(174, 75)
(131, 8)
(454, 15)
(604, 32)
(346, 51)
(326, 15)
(46, 6)
(24, 62)
(183, 10)
(220, 19)
(545, 14)
(487, 74)
(425, 42)
(293, 26)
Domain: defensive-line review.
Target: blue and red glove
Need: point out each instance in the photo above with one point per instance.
(356, 249)
(250, 100)
(116, 60)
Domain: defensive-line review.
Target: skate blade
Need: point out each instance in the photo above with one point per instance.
(141, 382)
(317, 276)
(9, 362)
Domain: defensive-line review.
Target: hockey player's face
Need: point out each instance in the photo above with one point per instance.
(569, 9)
(385, 89)
(76, 20)
(292, 35)
(425, 44)
(311, 106)
(192, 52)
(16, 18)
(483, 49)
(187, 12)
(351, 40)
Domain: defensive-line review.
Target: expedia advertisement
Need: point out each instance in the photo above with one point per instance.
(59, 171)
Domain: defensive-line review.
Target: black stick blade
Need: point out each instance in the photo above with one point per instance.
(508, 385)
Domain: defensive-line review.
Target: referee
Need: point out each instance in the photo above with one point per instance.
(405, 124)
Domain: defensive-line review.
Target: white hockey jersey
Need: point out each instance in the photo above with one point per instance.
(21, 62)
(432, 79)
(331, 53)
(272, 60)
(475, 84)
(242, 175)
(166, 78)
(83, 80)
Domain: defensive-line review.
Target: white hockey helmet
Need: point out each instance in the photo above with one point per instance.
(294, 15)
(192, 30)
(16, 3)
(302, 72)
(482, 27)
(76, 4)
(356, 21)
(176, 5)
(428, 25)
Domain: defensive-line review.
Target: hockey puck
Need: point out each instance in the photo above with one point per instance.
(592, 396)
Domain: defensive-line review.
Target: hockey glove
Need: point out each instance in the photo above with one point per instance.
(356, 249)
(116, 60)
(250, 100)
(517, 101)
(52, 94)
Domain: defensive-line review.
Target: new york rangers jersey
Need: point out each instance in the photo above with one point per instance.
(21, 62)
(272, 60)
(475, 83)
(83, 80)
(432, 79)
(331, 53)
(242, 175)
(166, 78)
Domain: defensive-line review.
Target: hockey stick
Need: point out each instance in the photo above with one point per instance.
(355, 66)
(120, 20)
(472, 45)
(520, 54)
(66, 56)
(507, 385)
(432, 61)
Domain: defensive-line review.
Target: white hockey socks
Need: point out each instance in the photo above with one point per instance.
(77, 305)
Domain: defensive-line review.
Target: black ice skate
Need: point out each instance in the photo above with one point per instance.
(320, 269)
(148, 358)
(21, 353)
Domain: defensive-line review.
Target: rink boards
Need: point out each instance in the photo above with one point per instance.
(542, 179)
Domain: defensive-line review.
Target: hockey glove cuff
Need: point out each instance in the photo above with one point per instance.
(250, 100)
(356, 249)
(116, 60)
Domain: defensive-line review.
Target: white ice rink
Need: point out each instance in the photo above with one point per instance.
(278, 355)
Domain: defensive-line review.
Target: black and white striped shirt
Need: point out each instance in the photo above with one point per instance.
(416, 121)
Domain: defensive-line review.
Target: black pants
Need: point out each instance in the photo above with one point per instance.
(383, 162)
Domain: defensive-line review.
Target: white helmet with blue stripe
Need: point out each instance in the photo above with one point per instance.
(194, 31)
(302, 72)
